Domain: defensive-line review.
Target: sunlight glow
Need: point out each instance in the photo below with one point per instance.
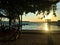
(46, 27)
(49, 16)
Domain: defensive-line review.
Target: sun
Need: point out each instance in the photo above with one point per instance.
(48, 16)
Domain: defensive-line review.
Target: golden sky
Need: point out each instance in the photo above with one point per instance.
(33, 18)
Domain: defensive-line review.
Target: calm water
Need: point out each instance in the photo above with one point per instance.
(38, 26)
(41, 26)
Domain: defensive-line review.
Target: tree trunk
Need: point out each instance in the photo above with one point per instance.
(1, 21)
(10, 20)
(21, 22)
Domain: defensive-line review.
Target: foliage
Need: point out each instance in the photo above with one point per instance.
(17, 7)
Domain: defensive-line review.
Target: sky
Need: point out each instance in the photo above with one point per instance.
(33, 18)
(58, 10)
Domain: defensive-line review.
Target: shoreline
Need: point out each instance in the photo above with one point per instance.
(39, 32)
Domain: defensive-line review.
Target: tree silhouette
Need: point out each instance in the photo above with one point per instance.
(15, 8)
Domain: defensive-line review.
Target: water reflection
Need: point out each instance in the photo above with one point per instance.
(46, 27)
(42, 26)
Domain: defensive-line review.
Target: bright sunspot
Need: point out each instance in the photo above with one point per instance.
(46, 27)
(49, 15)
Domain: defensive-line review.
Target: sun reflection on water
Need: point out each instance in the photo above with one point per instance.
(46, 27)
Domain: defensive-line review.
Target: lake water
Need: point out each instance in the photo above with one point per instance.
(41, 26)
(38, 26)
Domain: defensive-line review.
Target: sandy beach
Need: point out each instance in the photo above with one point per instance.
(36, 37)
